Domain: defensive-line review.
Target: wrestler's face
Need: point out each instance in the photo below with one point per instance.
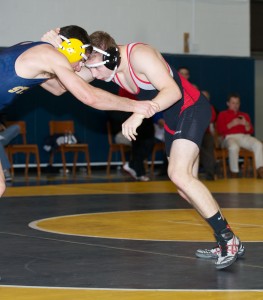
(99, 72)
(77, 65)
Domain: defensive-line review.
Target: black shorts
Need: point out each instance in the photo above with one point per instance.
(191, 124)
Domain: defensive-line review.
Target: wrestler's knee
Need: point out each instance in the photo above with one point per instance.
(177, 176)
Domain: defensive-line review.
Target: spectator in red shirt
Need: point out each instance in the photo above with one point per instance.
(236, 129)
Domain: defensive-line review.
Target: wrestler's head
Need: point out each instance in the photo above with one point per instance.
(105, 57)
(75, 43)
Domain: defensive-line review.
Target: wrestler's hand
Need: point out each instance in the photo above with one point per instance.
(52, 37)
(130, 126)
(146, 108)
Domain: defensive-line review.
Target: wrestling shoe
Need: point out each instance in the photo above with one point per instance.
(229, 245)
(214, 252)
(129, 170)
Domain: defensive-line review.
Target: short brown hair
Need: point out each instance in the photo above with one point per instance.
(74, 31)
(102, 40)
(232, 95)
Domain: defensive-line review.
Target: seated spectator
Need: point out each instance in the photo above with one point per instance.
(159, 137)
(7, 134)
(116, 119)
(158, 127)
(207, 157)
(141, 147)
(185, 72)
(236, 128)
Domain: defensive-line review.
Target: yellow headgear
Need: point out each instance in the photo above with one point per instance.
(73, 49)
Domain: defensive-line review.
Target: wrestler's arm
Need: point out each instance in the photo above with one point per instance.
(55, 87)
(149, 66)
(53, 38)
(147, 62)
(89, 95)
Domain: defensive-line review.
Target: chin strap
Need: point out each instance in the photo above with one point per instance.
(112, 75)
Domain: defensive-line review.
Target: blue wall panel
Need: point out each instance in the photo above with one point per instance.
(218, 75)
(221, 75)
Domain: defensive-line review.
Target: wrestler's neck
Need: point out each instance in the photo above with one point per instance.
(123, 67)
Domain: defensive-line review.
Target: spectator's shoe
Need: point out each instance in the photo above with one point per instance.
(214, 252)
(229, 245)
(8, 176)
(129, 170)
(260, 172)
(210, 177)
(143, 178)
(234, 175)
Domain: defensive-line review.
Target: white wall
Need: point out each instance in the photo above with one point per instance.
(216, 27)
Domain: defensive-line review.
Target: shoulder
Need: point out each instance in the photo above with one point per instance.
(45, 49)
(246, 115)
(140, 49)
(29, 45)
(143, 54)
(222, 113)
(39, 59)
(50, 55)
(39, 51)
(243, 113)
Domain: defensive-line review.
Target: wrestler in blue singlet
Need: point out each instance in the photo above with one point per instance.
(11, 85)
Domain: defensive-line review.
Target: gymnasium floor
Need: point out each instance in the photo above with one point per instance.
(112, 238)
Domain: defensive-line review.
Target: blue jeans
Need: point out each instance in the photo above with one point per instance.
(6, 136)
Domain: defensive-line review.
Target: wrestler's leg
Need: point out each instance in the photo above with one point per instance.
(2, 181)
(182, 170)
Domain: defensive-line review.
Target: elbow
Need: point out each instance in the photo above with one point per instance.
(180, 96)
(58, 93)
(91, 96)
(55, 92)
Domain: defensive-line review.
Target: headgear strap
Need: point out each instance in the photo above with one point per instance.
(110, 58)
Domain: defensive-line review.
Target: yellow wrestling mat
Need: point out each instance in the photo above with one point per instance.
(162, 225)
(246, 185)
(140, 225)
(17, 293)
